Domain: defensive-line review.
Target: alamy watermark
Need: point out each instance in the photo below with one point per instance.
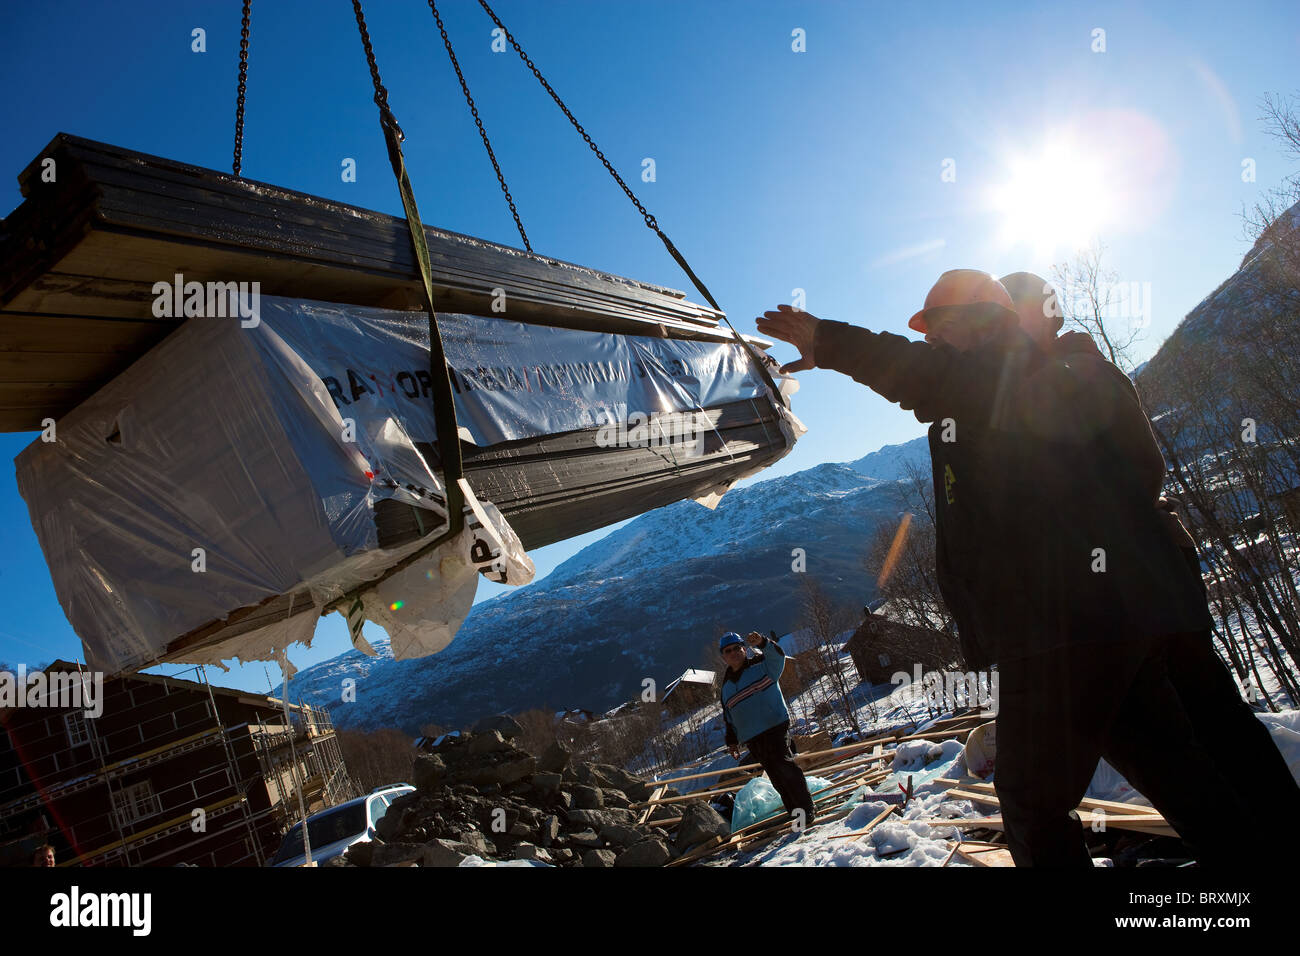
(949, 690)
(682, 431)
(61, 690)
(213, 300)
(1126, 300)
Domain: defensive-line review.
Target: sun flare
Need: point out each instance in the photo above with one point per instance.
(1058, 198)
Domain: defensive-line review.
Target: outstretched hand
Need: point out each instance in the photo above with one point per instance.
(793, 326)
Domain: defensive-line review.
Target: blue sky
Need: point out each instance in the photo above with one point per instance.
(776, 170)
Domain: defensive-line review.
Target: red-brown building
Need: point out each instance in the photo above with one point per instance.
(171, 771)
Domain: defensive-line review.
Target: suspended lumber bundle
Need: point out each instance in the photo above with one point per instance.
(100, 225)
(268, 458)
(235, 483)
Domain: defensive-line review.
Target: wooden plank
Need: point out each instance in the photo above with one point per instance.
(94, 243)
(89, 159)
(385, 247)
(858, 834)
(1087, 803)
(654, 797)
(62, 368)
(708, 847)
(1142, 823)
(35, 332)
(985, 855)
(239, 214)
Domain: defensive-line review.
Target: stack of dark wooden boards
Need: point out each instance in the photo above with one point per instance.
(100, 225)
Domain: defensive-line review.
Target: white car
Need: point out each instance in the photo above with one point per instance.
(333, 830)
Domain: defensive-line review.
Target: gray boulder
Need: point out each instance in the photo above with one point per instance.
(555, 759)
(700, 822)
(394, 854)
(621, 835)
(587, 798)
(546, 783)
(429, 772)
(527, 851)
(586, 839)
(488, 743)
(446, 853)
(645, 853)
(598, 858)
(615, 778)
(477, 842)
(607, 817)
(614, 798)
(510, 768)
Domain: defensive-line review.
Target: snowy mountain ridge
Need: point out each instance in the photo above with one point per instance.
(645, 601)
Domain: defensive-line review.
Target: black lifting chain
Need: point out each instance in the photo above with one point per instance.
(381, 94)
(649, 219)
(243, 86)
(479, 122)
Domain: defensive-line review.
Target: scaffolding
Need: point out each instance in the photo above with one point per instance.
(243, 758)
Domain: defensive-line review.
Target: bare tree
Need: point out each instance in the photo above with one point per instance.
(903, 558)
(832, 687)
(377, 757)
(1201, 394)
(1278, 115)
(1087, 293)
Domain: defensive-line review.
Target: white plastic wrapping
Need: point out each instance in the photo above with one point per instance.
(232, 465)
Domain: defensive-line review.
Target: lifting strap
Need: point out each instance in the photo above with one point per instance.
(444, 406)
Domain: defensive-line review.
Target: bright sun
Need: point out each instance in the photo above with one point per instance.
(1054, 199)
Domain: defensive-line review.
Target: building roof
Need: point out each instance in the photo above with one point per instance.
(699, 679)
(243, 696)
(694, 676)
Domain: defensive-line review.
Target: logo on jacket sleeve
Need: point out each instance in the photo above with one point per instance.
(949, 479)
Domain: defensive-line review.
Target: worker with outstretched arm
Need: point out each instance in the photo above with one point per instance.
(1224, 723)
(1051, 557)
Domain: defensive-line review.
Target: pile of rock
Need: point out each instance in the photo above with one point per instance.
(478, 794)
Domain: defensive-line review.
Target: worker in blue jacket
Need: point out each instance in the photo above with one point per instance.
(755, 712)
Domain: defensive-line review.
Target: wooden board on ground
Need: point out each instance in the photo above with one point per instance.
(980, 855)
(1151, 823)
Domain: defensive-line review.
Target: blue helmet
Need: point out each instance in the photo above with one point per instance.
(731, 637)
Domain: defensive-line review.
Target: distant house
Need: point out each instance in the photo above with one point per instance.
(881, 648)
(171, 771)
(691, 691)
(797, 674)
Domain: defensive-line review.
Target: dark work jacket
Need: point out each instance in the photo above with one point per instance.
(1049, 479)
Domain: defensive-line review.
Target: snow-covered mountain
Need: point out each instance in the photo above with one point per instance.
(645, 601)
(1237, 318)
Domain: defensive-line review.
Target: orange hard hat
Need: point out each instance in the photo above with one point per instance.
(962, 287)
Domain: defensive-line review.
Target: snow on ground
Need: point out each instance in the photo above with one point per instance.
(902, 839)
